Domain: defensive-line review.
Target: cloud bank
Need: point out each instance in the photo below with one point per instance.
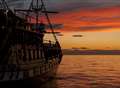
(80, 15)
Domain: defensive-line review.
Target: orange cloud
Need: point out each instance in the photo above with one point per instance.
(100, 19)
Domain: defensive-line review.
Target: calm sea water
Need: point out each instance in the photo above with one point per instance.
(86, 71)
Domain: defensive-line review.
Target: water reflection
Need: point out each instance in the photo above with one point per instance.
(89, 71)
(50, 84)
(97, 71)
(36, 84)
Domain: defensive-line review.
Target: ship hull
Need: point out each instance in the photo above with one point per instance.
(27, 59)
(38, 73)
(24, 54)
(32, 82)
(41, 78)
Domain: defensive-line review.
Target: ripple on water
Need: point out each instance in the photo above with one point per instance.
(89, 72)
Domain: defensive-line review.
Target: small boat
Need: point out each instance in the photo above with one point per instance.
(24, 54)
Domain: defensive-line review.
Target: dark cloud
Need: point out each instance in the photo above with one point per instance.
(108, 47)
(67, 5)
(77, 35)
(55, 26)
(76, 48)
(58, 26)
(99, 19)
(96, 28)
(84, 48)
(59, 34)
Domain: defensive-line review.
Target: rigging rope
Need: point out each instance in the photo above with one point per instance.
(4, 5)
(51, 27)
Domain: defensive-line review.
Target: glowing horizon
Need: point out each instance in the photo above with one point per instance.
(100, 28)
(98, 21)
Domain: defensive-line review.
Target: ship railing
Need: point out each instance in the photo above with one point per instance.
(32, 56)
(48, 42)
(52, 49)
(27, 55)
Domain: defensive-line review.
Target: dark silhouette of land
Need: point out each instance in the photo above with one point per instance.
(90, 52)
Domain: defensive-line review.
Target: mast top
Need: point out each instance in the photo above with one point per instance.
(3, 5)
(37, 7)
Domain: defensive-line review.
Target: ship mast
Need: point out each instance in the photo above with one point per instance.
(37, 14)
(49, 22)
(3, 5)
(43, 9)
(36, 7)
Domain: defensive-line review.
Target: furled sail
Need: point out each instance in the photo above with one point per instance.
(18, 3)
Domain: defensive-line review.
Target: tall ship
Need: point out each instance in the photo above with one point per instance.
(24, 53)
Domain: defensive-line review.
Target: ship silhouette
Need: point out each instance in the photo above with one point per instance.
(24, 54)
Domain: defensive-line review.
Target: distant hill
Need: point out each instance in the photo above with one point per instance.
(90, 52)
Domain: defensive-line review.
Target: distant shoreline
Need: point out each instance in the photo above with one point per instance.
(90, 52)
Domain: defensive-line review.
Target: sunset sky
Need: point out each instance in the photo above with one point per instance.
(92, 24)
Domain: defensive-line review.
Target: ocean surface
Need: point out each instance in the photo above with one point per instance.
(85, 71)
